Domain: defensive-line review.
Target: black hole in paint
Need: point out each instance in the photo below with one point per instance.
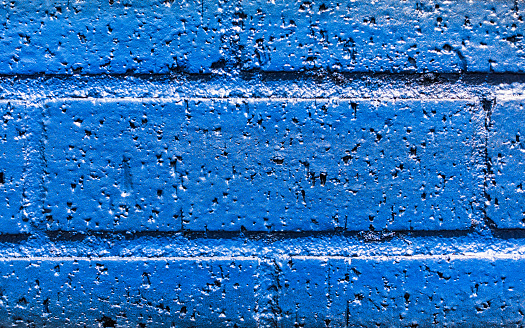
(108, 322)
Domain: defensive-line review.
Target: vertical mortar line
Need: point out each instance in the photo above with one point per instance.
(267, 289)
(347, 314)
(488, 174)
(329, 289)
(180, 187)
(26, 151)
(181, 215)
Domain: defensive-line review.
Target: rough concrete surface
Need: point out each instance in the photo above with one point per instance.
(262, 163)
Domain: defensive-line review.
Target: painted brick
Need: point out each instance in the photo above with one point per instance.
(118, 292)
(447, 292)
(111, 36)
(385, 292)
(15, 136)
(312, 164)
(225, 163)
(318, 292)
(108, 165)
(157, 36)
(304, 296)
(506, 160)
(376, 36)
(262, 165)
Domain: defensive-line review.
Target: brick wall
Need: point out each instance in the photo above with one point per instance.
(242, 164)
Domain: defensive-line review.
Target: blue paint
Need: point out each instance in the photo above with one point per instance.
(211, 163)
(112, 165)
(261, 165)
(505, 153)
(155, 36)
(320, 292)
(15, 133)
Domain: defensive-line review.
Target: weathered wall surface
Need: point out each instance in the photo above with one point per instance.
(262, 164)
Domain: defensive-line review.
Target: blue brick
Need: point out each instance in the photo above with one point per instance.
(111, 36)
(475, 290)
(16, 138)
(157, 36)
(383, 36)
(127, 292)
(262, 165)
(305, 292)
(506, 160)
(305, 165)
(297, 192)
(110, 165)
(438, 291)
(385, 292)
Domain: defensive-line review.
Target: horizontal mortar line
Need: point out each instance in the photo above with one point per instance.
(254, 234)
(366, 237)
(239, 99)
(259, 99)
(369, 237)
(312, 73)
(508, 97)
(381, 258)
(418, 257)
(130, 258)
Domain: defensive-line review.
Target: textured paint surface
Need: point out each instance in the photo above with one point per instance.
(155, 36)
(316, 292)
(505, 153)
(261, 164)
(15, 134)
